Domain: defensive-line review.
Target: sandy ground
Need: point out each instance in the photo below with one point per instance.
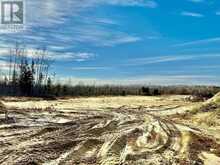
(105, 131)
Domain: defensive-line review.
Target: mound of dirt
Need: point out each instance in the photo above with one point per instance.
(2, 106)
(204, 117)
(210, 105)
(215, 99)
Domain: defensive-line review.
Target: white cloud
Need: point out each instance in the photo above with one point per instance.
(192, 14)
(91, 68)
(198, 42)
(96, 31)
(154, 60)
(49, 12)
(3, 52)
(146, 80)
(143, 3)
(196, 1)
(101, 36)
(163, 59)
(72, 56)
(62, 56)
(4, 66)
(121, 39)
(105, 21)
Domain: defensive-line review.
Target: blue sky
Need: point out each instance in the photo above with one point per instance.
(125, 41)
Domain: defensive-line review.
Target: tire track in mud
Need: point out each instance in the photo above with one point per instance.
(117, 136)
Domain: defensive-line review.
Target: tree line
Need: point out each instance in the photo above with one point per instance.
(29, 75)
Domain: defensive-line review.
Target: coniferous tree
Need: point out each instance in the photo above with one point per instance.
(49, 85)
(26, 80)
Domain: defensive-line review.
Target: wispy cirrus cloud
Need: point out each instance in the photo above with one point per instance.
(4, 66)
(52, 10)
(72, 56)
(170, 58)
(196, 1)
(105, 21)
(59, 56)
(154, 60)
(92, 68)
(192, 14)
(147, 79)
(4, 52)
(143, 3)
(96, 31)
(198, 42)
(101, 36)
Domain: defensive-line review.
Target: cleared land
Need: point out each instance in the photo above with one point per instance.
(110, 131)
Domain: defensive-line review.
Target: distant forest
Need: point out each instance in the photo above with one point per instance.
(28, 75)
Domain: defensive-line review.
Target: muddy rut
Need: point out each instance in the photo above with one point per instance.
(112, 137)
